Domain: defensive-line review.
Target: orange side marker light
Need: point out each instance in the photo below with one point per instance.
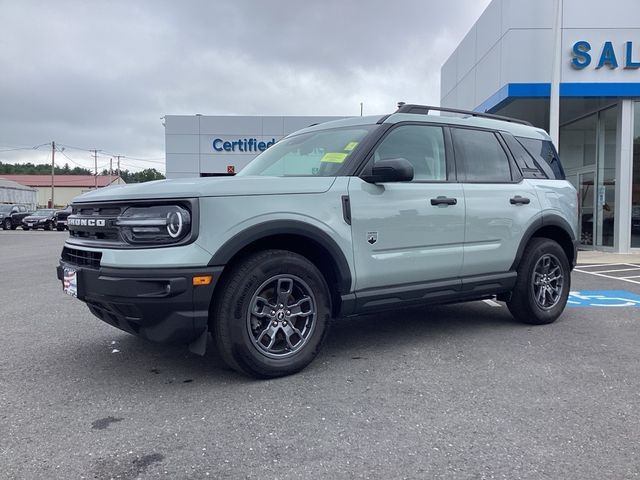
(202, 279)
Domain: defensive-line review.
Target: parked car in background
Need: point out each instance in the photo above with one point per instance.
(42, 218)
(60, 218)
(11, 215)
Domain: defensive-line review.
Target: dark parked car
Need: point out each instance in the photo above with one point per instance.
(42, 218)
(61, 218)
(11, 215)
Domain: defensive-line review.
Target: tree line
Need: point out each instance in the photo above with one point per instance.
(145, 175)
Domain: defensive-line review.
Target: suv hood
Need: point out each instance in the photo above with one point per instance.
(209, 187)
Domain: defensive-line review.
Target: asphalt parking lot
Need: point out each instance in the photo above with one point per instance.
(460, 391)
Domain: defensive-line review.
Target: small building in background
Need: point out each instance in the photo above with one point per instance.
(67, 187)
(13, 192)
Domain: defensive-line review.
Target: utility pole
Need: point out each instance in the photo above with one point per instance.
(95, 164)
(110, 169)
(361, 108)
(53, 173)
(118, 171)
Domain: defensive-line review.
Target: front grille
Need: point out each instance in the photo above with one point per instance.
(81, 258)
(107, 214)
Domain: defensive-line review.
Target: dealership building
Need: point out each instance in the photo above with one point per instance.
(202, 146)
(504, 66)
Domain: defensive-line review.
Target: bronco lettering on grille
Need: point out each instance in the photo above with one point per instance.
(87, 222)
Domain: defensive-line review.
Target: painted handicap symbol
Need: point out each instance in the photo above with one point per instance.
(603, 298)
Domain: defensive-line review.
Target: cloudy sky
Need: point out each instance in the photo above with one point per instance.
(101, 74)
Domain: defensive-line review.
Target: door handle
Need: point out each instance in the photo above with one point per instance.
(518, 200)
(444, 201)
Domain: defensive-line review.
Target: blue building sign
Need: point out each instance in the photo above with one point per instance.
(581, 52)
(241, 145)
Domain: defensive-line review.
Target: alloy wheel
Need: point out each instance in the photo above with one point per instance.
(282, 316)
(547, 281)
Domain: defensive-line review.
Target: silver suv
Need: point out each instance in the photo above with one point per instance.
(339, 219)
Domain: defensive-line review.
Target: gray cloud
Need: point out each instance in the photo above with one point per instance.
(101, 74)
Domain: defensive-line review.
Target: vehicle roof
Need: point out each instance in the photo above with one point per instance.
(516, 129)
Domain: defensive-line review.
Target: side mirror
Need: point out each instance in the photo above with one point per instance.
(390, 170)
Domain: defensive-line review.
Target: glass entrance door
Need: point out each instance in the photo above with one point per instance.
(587, 202)
(587, 150)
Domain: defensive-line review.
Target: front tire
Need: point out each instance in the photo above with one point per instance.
(543, 283)
(271, 314)
(25, 228)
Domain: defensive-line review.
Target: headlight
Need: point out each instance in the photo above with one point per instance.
(161, 225)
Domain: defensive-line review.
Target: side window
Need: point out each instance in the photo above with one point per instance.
(545, 154)
(421, 145)
(482, 157)
(14, 210)
(529, 167)
(23, 209)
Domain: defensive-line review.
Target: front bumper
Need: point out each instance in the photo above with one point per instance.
(161, 305)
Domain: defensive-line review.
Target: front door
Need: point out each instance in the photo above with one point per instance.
(408, 232)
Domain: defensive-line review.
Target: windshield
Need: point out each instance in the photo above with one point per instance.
(5, 208)
(313, 154)
(42, 213)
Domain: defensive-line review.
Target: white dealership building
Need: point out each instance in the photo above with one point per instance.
(202, 146)
(504, 66)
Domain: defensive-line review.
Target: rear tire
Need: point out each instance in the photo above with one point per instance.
(6, 225)
(543, 283)
(48, 226)
(271, 314)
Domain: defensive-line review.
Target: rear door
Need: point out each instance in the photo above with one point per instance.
(409, 232)
(500, 203)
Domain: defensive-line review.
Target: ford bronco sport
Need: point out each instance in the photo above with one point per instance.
(338, 219)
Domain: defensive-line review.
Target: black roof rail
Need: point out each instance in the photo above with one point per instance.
(425, 109)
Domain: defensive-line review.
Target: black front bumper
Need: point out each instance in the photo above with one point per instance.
(161, 305)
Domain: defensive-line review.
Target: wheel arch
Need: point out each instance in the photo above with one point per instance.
(555, 228)
(299, 237)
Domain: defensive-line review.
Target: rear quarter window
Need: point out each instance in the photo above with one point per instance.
(545, 155)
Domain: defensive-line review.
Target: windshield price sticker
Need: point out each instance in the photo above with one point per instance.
(334, 157)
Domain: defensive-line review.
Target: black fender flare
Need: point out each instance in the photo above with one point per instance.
(286, 227)
(549, 220)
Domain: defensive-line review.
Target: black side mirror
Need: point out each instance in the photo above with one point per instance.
(390, 170)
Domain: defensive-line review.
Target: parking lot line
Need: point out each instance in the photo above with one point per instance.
(620, 270)
(492, 303)
(602, 273)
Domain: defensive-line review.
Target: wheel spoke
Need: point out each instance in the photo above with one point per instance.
(270, 331)
(284, 290)
(262, 311)
(296, 310)
(289, 331)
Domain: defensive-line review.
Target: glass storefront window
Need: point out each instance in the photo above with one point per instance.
(588, 154)
(635, 189)
(578, 155)
(606, 175)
